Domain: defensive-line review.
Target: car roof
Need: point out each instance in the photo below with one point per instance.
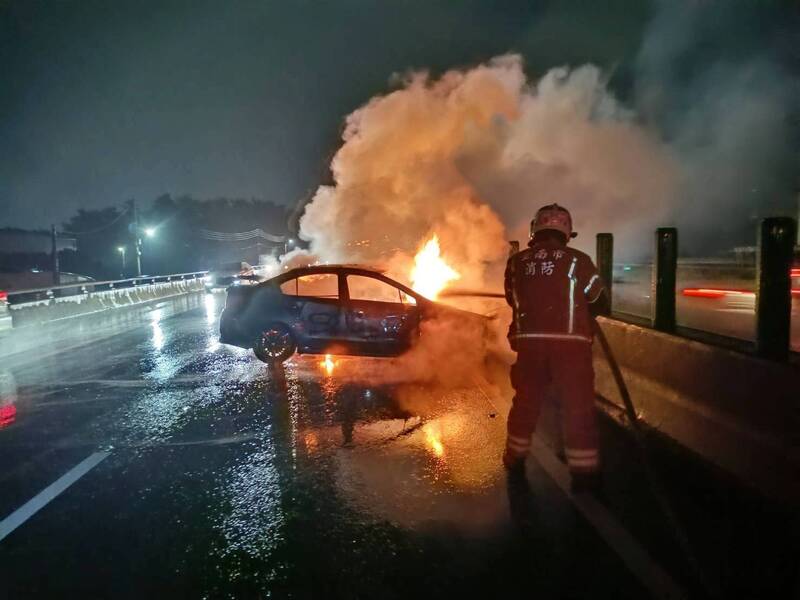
(346, 269)
(355, 269)
(334, 268)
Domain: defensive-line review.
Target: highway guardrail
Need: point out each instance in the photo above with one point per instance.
(53, 303)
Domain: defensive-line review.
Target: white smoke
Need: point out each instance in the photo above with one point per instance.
(716, 87)
(471, 155)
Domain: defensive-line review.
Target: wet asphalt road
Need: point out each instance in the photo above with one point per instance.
(218, 478)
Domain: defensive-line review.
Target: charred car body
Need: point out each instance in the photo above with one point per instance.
(336, 309)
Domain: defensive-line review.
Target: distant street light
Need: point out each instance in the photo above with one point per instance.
(149, 231)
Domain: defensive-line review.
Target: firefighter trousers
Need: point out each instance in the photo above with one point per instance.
(567, 366)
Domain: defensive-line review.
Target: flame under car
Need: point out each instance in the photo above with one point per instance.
(331, 309)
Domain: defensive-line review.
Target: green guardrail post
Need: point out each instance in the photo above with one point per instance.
(664, 278)
(776, 239)
(605, 262)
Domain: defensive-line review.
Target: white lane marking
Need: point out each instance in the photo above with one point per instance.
(223, 441)
(40, 500)
(639, 562)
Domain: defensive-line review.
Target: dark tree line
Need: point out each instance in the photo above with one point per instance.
(177, 245)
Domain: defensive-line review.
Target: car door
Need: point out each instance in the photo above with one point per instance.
(313, 304)
(379, 317)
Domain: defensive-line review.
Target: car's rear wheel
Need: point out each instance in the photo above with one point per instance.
(275, 344)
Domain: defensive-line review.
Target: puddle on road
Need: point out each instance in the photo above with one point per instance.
(408, 454)
(335, 461)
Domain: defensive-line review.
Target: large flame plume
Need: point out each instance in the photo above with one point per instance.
(431, 274)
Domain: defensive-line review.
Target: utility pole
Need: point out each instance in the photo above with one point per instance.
(54, 256)
(137, 236)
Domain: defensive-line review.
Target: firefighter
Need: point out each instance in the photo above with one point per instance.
(555, 292)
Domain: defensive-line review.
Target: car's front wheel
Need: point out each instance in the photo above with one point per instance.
(275, 344)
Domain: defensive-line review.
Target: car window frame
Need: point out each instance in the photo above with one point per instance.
(339, 283)
(401, 289)
(344, 292)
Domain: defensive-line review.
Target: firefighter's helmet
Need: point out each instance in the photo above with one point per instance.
(553, 217)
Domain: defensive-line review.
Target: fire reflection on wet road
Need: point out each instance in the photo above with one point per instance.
(228, 479)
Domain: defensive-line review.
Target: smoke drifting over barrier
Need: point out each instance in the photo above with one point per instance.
(726, 96)
(470, 155)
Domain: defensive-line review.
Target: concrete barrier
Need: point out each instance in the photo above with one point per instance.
(91, 300)
(737, 411)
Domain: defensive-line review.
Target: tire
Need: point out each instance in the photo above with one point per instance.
(275, 344)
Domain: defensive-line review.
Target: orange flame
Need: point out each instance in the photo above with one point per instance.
(430, 274)
(328, 365)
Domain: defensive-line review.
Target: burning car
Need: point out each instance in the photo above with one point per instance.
(331, 309)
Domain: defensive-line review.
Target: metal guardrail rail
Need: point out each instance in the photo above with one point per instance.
(775, 267)
(87, 287)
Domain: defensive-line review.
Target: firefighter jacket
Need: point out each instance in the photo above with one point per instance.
(549, 287)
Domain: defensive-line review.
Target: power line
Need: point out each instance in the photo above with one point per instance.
(242, 236)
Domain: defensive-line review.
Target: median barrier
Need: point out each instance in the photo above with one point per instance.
(44, 305)
(737, 411)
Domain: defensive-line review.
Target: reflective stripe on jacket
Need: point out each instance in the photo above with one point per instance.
(549, 288)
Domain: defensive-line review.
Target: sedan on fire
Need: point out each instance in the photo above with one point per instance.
(331, 309)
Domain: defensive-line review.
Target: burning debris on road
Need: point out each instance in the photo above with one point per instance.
(328, 365)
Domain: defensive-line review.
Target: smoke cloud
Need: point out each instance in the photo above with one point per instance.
(719, 91)
(709, 127)
(471, 155)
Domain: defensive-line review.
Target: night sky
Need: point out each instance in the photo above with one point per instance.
(102, 101)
